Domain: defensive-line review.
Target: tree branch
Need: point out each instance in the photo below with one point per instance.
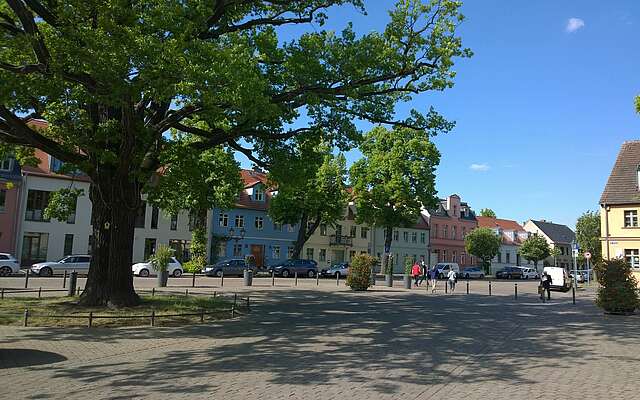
(248, 153)
(42, 11)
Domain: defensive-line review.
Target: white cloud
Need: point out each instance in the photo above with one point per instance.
(574, 24)
(479, 167)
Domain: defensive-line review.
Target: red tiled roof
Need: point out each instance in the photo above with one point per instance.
(250, 179)
(505, 224)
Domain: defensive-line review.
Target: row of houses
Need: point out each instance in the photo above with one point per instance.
(437, 236)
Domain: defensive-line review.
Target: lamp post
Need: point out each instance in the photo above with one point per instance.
(238, 237)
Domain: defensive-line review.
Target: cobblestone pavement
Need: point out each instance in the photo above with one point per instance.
(321, 343)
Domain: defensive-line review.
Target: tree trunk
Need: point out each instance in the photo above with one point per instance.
(387, 245)
(304, 234)
(115, 199)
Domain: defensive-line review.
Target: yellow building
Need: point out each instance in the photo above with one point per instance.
(620, 208)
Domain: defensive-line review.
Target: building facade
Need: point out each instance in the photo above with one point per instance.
(620, 208)
(247, 228)
(408, 242)
(449, 224)
(559, 237)
(512, 235)
(10, 191)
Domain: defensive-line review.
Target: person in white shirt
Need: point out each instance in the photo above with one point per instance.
(452, 280)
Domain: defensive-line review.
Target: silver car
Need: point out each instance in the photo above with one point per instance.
(472, 272)
(8, 265)
(78, 263)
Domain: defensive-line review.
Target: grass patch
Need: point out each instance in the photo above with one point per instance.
(43, 312)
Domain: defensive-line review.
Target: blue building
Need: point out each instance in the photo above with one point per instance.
(247, 229)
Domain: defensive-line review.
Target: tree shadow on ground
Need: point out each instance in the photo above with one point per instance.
(17, 358)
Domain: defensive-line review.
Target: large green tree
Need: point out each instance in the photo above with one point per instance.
(487, 212)
(112, 78)
(395, 178)
(484, 244)
(311, 190)
(535, 248)
(588, 235)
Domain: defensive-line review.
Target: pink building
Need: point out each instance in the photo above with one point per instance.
(10, 191)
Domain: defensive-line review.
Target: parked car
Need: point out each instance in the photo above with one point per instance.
(579, 276)
(308, 268)
(560, 279)
(8, 265)
(341, 270)
(145, 269)
(529, 273)
(472, 272)
(442, 269)
(509, 273)
(78, 263)
(228, 267)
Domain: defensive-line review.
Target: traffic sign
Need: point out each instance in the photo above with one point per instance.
(587, 255)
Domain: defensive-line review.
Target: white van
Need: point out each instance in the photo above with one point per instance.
(560, 279)
(442, 269)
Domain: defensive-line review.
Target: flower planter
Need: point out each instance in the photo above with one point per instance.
(163, 276)
(388, 280)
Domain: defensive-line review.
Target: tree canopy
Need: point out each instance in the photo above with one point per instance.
(588, 235)
(487, 212)
(535, 248)
(484, 244)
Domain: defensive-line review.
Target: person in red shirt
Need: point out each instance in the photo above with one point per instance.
(415, 272)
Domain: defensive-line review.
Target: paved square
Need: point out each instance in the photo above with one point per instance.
(330, 343)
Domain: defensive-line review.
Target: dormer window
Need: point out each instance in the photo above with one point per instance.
(6, 164)
(258, 194)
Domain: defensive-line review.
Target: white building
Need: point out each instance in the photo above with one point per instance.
(512, 234)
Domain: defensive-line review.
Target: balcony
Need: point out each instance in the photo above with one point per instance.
(337, 240)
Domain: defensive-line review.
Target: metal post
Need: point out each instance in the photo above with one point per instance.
(2, 294)
(73, 280)
(516, 291)
(214, 294)
(467, 286)
(489, 288)
(573, 294)
(186, 292)
(26, 317)
(26, 279)
(296, 275)
(153, 292)
(221, 278)
(446, 286)
(78, 294)
(247, 303)
(64, 279)
(153, 317)
(40, 292)
(193, 279)
(273, 278)
(233, 311)
(337, 279)
(235, 299)
(202, 315)
(90, 319)
(317, 279)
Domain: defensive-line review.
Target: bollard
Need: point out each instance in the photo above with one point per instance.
(489, 288)
(516, 291)
(467, 286)
(26, 279)
(201, 315)
(153, 317)
(296, 275)
(446, 287)
(186, 292)
(573, 294)
(193, 280)
(221, 278)
(26, 317)
(153, 292)
(235, 299)
(90, 319)
(64, 279)
(40, 292)
(73, 280)
(233, 311)
(273, 278)
(337, 279)
(317, 279)
(78, 291)
(214, 294)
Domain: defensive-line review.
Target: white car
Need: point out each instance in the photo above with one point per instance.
(8, 265)
(442, 269)
(529, 273)
(145, 269)
(78, 263)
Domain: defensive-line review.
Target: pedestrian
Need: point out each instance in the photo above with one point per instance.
(425, 270)
(434, 279)
(453, 279)
(415, 271)
(547, 286)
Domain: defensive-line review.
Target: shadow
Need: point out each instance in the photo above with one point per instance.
(16, 358)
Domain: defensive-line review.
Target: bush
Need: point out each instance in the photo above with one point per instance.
(162, 257)
(408, 265)
(618, 292)
(196, 265)
(359, 277)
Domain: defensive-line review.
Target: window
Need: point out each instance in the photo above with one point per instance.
(414, 237)
(237, 250)
(289, 252)
(631, 219)
(37, 201)
(149, 247)
(275, 253)
(291, 227)
(68, 244)
(259, 222)
(423, 237)
(174, 222)
(323, 229)
(353, 231)
(3, 199)
(277, 227)
(55, 165)
(140, 214)
(34, 247)
(322, 255)
(181, 249)
(445, 231)
(223, 220)
(632, 256)
(338, 230)
(364, 232)
(508, 256)
(309, 254)
(239, 221)
(155, 212)
(258, 194)
(396, 235)
(6, 164)
(454, 232)
(405, 236)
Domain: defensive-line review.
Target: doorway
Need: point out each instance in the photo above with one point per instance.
(257, 250)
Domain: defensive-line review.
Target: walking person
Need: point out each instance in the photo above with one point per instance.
(415, 272)
(452, 278)
(434, 279)
(425, 271)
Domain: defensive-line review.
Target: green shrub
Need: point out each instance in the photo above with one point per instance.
(359, 277)
(618, 292)
(408, 265)
(162, 257)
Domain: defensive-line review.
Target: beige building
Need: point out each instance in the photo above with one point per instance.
(559, 237)
(408, 242)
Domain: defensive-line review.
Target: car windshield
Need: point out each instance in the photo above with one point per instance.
(64, 259)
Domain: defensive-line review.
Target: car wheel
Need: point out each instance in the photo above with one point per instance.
(285, 273)
(177, 273)
(46, 271)
(143, 273)
(5, 271)
(311, 274)
(481, 276)
(219, 273)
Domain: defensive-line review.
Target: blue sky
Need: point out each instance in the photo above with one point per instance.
(541, 109)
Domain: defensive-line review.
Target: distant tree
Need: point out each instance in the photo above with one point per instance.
(535, 248)
(588, 235)
(395, 178)
(555, 253)
(638, 104)
(487, 212)
(484, 244)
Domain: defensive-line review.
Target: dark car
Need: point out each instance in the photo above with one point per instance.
(341, 270)
(308, 268)
(228, 267)
(509, 273)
